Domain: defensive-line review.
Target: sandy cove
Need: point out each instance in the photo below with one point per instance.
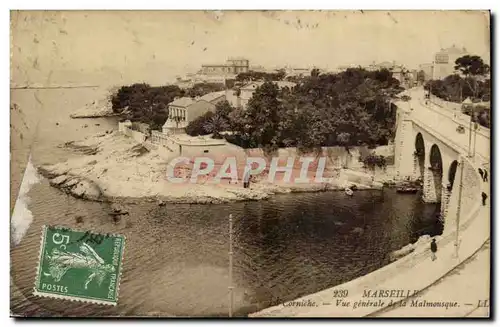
(113, 166)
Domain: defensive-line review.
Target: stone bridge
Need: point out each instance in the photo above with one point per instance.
(431, 140)
(428, 146)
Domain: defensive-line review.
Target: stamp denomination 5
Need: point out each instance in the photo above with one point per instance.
(74, 265)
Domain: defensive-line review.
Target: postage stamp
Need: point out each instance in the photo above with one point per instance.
(79, 265)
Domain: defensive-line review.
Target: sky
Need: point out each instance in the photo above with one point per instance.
(113, 47)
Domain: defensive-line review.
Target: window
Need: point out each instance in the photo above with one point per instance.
(442, 59)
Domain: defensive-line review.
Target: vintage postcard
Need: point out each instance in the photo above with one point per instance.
(258, 164)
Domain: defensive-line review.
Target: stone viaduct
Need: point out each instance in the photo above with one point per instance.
(432, 139)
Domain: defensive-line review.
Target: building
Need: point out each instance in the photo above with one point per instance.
(214, 97)
(232, 66)
(399, 72)
(258, 68)
(389, 65)
(427, 69)
(413, 77)
(184, 110)
(238, 65)
(297, 71)
(444, 61)
(342, 68)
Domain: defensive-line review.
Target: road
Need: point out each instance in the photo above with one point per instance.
(442, 118)
(467, 284)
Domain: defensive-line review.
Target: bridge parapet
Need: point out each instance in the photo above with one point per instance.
(472, 186)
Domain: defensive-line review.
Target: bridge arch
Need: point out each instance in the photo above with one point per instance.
(419, 157)
(451, 174)
(433, 177)
(447, 187)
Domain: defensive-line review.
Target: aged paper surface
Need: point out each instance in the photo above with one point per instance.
(250, 163)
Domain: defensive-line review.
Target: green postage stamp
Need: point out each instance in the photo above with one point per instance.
(79, 265)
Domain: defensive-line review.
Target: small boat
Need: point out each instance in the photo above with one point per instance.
(348, 191)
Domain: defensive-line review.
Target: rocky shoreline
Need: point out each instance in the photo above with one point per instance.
(83, 188)
(96, 109)
(114, 168)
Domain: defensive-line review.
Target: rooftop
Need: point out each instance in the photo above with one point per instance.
(182, 102)
(213, 96)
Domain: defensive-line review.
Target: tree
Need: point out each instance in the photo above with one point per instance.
(200, 89)
(472, 67)
(280, 75)
(421, 77)
(261, 76)
(144, 103)
(223, 109)
(263, 115)
(315, 72)
(215, 125)
(320, 108)
(197, 126)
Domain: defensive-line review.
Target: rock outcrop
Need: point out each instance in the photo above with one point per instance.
(113, 166)
(98, 108)
(77, 186)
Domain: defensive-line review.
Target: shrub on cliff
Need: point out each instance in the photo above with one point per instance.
(372, 161)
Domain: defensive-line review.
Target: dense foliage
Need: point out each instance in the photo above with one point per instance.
(372, 161)
(455, 88)
(200, 89)
(480, 114)
(197, 126)
(144, 103)
(261, 76)
(211, 122)
(347, 109)
(149, 104)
